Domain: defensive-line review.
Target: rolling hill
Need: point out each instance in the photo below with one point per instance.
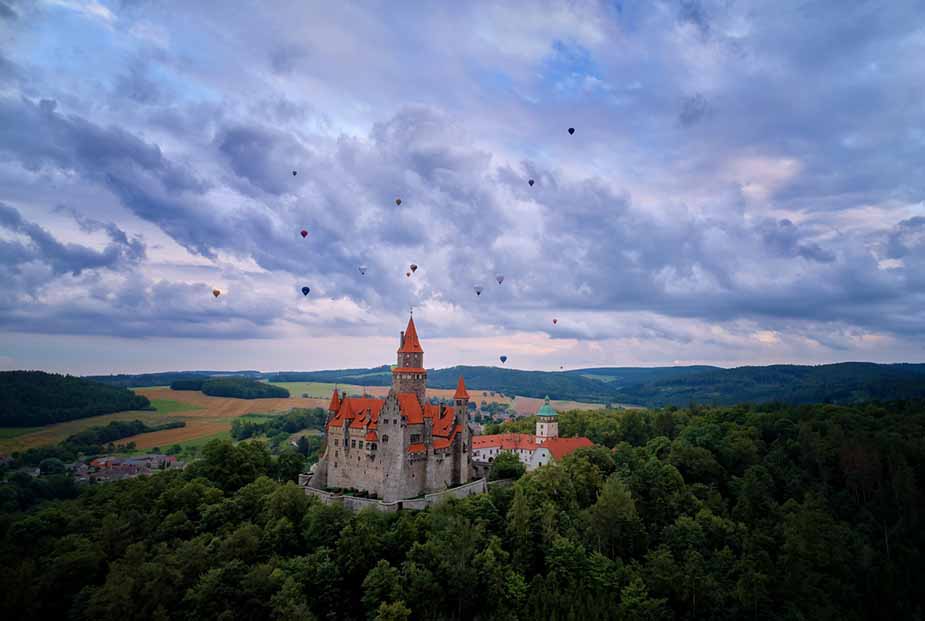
(648, 386)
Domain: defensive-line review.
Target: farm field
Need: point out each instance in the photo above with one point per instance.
(205, 417)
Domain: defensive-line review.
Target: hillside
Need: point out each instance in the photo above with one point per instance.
(848, 382)
(32, 398)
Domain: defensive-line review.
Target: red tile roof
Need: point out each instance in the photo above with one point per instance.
(410, 344)
(505, 441)
(461, 389)
(335, 401)
(372, 436)
(560, 447)
(417, 448)
(410, 406)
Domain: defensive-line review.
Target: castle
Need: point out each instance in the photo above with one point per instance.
(402, 447)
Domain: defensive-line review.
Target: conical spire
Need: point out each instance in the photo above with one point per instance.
(461, 389)
(335, 401)
(410, 343)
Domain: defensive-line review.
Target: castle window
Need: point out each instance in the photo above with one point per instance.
(385, 438)
(353, 444)
(361, 443)
(345, 443)
(415, 437)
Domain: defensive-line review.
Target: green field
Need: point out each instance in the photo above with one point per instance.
(167, 406)
(317, 390)
(8, 433)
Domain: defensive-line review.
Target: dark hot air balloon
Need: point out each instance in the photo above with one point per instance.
(531, 183)
(500, 278)
(503, 359)
(363, 269)
(216, 292)
(571, 130)
(398, 202)
(478, 289)
(408, 274)
(305, 290)
(555, 321)
(303, 233)
(413, 267)
(294, 173)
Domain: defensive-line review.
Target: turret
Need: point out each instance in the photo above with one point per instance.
(461, 400)
(547, 423)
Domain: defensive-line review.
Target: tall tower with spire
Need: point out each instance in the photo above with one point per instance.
(409, 374)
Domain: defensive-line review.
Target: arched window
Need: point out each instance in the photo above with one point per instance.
(385, 438)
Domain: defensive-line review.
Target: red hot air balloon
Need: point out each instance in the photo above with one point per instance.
(303, 233)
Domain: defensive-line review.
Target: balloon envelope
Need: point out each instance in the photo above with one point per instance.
(571, 130)
(555, 321)
(408, 274)
(503, 359)
(500, 278)
(478, 290)
(531, 183)
(413, 267)
(303, 233)
(305, 290)
(216, 292)
(398, 201)
(294, 173)
(363, 269)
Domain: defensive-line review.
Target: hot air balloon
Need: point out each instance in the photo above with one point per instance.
(408, 274)
(503, 359)
(555, 321)
(303, 233)
(500, 278)
(305, 290)
(398, 202)
(216, 292)
(478, 289)
(294, 173)
(413, 267)
(531, 183)
(571, 130)
(363, 269)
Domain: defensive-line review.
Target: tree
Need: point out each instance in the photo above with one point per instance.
(396, 611)
(52, 465)
(506, 466)
(381, 585)
(614, 524)
(302, 445)
(289, 466)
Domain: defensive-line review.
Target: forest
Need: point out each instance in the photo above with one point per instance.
(33, 398)
(743, 512)
(242, 388)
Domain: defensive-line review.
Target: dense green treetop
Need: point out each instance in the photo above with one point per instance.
(746, 512)
(32, 398)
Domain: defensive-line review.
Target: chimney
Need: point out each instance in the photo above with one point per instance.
(402, 342)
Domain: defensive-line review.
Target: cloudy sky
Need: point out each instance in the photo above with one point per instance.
(744, 186)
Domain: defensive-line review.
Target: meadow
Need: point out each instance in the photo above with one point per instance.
(206, 418)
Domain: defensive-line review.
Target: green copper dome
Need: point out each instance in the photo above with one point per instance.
(546, 410)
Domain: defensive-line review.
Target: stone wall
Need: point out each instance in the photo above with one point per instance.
(416, 504)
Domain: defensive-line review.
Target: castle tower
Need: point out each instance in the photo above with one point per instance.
(409, 374)
(462, 439)
(547, 423)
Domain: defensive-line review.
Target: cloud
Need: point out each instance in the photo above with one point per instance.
(790, 222)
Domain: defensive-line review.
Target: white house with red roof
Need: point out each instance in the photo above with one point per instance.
(532, 450)
(401, 447)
